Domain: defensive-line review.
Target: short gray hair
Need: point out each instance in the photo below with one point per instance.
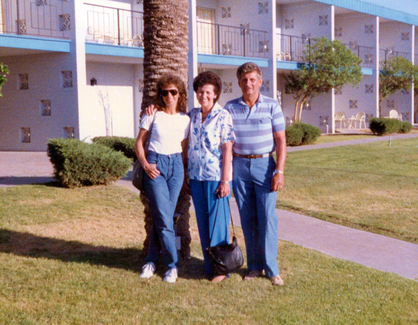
(247, 68)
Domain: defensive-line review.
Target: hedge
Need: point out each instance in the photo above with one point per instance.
(301, 133)
(77, 163)
(382, 126)
(125, 145)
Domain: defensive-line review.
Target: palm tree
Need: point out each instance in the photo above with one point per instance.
(166, 32)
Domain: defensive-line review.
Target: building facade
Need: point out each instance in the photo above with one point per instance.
(76, 66)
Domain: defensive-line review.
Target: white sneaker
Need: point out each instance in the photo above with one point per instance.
(148, 270)
(171, 276)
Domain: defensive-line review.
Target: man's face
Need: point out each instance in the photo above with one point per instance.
(250, 83)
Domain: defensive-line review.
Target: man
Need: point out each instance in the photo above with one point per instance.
(260, 131)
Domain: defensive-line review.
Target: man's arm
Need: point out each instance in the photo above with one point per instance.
(277, 182)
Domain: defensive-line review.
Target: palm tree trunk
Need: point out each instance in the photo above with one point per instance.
(165, 51)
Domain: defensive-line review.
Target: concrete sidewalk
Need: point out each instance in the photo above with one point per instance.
(375, 251)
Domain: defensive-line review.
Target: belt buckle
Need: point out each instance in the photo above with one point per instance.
(252, 156)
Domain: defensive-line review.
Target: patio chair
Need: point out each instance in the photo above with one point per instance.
(393, 113)
(359, 118)
(138, 41)
(340, 117)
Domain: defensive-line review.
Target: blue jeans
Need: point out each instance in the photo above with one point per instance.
(163, 192)
(206, 202)
(257, 203)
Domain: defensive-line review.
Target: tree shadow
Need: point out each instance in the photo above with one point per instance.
(132, 259)
(27, 180)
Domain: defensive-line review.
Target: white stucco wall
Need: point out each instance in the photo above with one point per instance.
(113, 93)
(21, 108)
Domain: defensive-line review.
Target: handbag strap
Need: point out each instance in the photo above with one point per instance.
(150, 131)
(216, 217)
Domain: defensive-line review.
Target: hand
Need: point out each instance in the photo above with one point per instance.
(152, 170)
(223, 189)
(277, 182)
(150, 110)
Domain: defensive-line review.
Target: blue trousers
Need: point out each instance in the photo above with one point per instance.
(163, 192)
(205, 202)
(257, 204)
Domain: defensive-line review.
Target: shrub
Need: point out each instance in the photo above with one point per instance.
(382, 126)
(125, 145)
(301, 134)
(77, 163)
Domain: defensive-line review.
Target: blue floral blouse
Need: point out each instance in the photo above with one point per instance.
(205, 143)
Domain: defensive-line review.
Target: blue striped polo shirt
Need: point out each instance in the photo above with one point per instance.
(254, 128)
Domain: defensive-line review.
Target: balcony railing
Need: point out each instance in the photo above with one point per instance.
(228, 40)
(388, 53)
(114, 26)
(291, 48)
(36, 18)
(365, 53)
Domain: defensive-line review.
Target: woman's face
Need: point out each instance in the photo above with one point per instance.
(206, 96)
(170, 95)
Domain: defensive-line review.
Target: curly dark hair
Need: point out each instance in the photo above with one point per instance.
(208, 78)
(170, 79)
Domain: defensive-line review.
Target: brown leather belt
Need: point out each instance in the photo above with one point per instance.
(253, 156)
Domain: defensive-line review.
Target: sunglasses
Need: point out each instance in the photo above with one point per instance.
(173, 92)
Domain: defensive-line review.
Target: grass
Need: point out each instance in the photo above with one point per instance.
(73, 256)
(370, 186)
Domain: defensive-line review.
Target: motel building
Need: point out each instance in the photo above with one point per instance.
(76, 65)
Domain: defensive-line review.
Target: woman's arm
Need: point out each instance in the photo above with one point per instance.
(223, 188)
(150, 169)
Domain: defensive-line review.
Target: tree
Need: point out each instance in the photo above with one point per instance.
(397, 73)
(4, 71)
(328, 64)
(165, 50)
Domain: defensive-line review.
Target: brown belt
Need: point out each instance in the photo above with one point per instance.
(253, 156)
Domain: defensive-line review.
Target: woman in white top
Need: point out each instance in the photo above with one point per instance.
(164, 170)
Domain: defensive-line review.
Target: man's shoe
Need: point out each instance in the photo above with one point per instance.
(253, 274)
(277, 280)
(148, 270)
(171, 276)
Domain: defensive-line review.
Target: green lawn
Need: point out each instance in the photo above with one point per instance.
(371, 186)
(73, 256)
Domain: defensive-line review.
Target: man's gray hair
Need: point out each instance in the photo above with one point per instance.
(247, 68)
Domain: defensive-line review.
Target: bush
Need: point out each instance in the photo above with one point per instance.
(301, 134)
(382, 126)
(77, 163)
(125, 145)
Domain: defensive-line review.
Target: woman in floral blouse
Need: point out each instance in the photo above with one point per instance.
(209, 163)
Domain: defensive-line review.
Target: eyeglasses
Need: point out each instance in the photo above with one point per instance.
(173, 92)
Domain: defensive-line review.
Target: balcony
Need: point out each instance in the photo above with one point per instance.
(115, 26)
(233, 41)
(39, 18)
(291, 48)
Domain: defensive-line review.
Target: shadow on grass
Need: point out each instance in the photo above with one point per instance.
(27, 180)
(33, 246)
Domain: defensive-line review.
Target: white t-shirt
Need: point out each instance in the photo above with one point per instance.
(168, 131)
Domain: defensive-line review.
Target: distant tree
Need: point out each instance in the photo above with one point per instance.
(4, 71)
(396, 73)
(328, 64)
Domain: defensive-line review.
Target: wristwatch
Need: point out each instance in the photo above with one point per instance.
(278, 171)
